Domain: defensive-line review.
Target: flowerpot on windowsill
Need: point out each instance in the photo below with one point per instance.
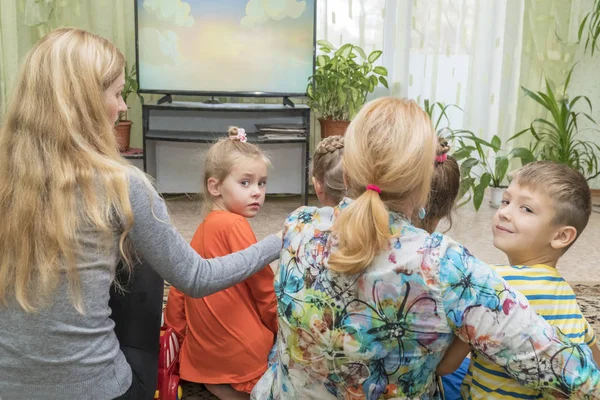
(123, 134)
(330, 127)
(496, 196)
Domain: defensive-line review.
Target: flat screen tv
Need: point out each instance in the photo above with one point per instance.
(225, 47)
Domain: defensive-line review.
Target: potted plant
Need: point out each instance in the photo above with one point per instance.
(123, 128)
(340, 84)
(557, 138)
(483, 167)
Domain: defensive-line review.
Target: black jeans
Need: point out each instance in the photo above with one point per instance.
(137, 314)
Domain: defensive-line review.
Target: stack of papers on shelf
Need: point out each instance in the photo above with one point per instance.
(280, 131)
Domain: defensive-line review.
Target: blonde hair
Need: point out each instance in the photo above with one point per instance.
(222, 156)
(327, 167)
(59, 165)
(390, 144)
(567, 187)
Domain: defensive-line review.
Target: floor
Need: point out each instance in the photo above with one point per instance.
(579, 266)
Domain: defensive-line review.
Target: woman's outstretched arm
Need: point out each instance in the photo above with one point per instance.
(157, 241)
(498, 321)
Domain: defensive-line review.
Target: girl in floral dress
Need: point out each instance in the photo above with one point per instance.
(368, 303)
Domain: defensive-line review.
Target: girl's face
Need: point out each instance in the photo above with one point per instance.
(243, 191)
(114, 101)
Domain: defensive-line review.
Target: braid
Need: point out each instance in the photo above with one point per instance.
(327, 166)
(330, 144)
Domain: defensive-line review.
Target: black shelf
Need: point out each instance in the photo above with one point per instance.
(211, 137)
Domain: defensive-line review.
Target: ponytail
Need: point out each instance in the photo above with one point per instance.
(391, 144)
(363, 231)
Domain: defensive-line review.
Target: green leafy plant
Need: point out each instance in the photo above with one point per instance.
(483, 166)
(131, 86)
(557, 138)
(591, 21)
(438, 114)
(342, 80)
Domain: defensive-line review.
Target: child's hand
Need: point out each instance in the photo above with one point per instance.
(279, 234)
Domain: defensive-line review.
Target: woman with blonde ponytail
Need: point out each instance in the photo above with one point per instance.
(71, 209)
(368, 303)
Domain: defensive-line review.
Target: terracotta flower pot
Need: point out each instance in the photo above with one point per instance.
(330, 127)
(123, 134)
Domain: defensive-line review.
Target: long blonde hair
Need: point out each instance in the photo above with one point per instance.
(390, 144)
(222, 156)
(60, 167)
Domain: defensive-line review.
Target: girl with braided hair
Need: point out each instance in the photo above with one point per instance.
(327, 176)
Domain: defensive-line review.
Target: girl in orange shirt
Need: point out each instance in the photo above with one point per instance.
(227, 336)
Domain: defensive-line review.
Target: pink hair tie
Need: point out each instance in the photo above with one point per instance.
(441, 158)
(374, 188)
(241, 135)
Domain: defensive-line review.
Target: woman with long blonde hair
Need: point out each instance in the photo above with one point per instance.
(71, 209)
(368, 303)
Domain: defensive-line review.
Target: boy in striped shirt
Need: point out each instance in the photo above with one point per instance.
(543, 212)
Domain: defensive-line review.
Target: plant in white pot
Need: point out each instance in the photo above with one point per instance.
(559, 134)
(483, 166)
(123, 127)
(339, 87)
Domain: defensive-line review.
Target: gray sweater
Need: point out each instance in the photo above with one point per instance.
(58, 353)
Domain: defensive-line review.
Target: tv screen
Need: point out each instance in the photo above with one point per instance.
(244, 47)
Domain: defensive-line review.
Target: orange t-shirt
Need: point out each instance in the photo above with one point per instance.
(229, 333)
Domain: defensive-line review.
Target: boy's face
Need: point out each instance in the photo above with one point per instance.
(523, 227)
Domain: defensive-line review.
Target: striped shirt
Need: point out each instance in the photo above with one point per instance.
(552, 298)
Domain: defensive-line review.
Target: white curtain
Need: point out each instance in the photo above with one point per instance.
(464, 52)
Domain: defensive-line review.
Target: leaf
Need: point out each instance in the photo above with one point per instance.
(326, 44)
(475, 139)
(465, 186)
(360, 52)
(469, 163)
(516, 135)
(463, 152)
(581, 27)
(479, 190)
(322, 60)
(383, 81)
(345, 50)
(380, 70)
(374, 56)
(536, 97)
(569, 76)
(500, 170)
(524, 154)
(496, 143)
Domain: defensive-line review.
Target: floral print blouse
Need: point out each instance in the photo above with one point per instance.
(380, 334)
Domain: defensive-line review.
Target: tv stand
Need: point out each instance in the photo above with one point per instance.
(176, 135)
(212, 101)
(165, 99)
(288, 102)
